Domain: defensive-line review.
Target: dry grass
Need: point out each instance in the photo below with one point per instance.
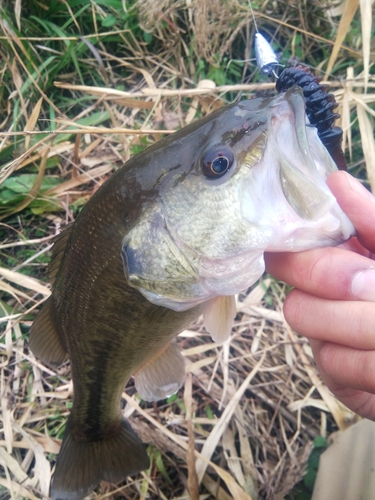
(243, 426)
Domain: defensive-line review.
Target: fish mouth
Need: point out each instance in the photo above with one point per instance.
(295, 202)
(300, 175)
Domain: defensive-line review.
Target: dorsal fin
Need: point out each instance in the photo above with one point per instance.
(45, 341)
(59, 245)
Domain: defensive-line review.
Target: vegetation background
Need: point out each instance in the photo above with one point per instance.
(85, 84)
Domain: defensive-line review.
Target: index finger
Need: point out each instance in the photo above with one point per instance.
(358, 204)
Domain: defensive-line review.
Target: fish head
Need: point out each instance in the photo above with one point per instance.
(247, 179)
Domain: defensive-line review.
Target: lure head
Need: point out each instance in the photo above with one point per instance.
(267, 61)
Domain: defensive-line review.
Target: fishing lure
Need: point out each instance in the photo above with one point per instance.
(319, 108)
(266, 58)
(319, 103)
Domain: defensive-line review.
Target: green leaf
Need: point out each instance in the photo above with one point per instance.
(35, 76)
(5, 310)
(115, 4)
(209, 412)
(9, 196)
(23, 183)
(309, 479)
(172, 398)
(147, 37)
(109, 21)
(320, 442)
(160, 465)
(7, 152)
(39, 207)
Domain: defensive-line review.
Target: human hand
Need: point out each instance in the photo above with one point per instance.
(333, 303)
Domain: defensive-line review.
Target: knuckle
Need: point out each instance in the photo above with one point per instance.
(321, 267)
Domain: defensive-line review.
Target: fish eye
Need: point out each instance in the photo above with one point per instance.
(217, 161)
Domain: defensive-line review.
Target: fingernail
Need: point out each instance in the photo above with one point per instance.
(363, 285)
(359, 189)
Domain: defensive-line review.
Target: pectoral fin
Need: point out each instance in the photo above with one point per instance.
(219, 316)
(45, 341)
(162, 376)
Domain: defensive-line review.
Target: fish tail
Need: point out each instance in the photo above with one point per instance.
(82, 465)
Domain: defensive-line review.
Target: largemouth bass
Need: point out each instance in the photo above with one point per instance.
(173, 234)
